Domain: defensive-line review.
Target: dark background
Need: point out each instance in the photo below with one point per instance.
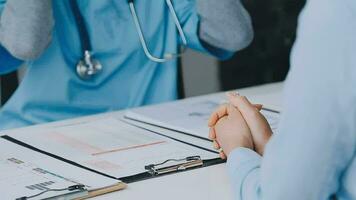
(267, 58)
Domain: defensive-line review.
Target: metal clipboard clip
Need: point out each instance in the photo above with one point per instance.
(187, 163)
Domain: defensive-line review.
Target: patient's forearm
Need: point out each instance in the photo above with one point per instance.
(26, 27)
(224, 24)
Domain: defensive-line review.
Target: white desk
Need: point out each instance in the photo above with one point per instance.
(205, 183)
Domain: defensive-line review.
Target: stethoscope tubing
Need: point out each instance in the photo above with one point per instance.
(82, 27)
(88, 67)
(167, 56)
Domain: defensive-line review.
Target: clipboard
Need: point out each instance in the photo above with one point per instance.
(151, 170)
(175, 165)
(77, 192)
(155, 171)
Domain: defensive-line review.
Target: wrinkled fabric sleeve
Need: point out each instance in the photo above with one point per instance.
(190, 20)
(26, 27)
(8, 63)
(224, 24)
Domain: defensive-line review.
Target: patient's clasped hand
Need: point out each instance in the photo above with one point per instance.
(238, 124)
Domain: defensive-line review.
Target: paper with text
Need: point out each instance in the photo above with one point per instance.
(24, 172)
(110, 146)
(189, 115)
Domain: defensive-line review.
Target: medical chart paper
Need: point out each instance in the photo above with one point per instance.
(174, 134)
(189, 116)
(24, 172)
(110, 146)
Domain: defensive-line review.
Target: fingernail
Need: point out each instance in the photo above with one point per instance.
(231, 94)
(215, 145)
(222, 155)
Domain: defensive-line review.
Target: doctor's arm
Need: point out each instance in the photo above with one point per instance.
(224, 24)
(25, 27)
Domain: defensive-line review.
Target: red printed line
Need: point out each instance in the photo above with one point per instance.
(127, 148)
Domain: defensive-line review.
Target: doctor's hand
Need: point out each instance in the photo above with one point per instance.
(230, 131)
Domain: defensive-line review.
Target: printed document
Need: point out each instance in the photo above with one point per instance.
(110, 146)
(24, 172)
(189, 116)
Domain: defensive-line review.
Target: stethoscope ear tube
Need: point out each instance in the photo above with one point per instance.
(82, 28)
(167, 56)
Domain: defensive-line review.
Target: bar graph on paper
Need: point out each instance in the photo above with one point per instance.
(27, 179)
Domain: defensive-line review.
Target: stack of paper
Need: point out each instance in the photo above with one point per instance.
(189, 116)
(25, 172)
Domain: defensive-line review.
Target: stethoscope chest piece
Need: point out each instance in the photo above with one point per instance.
(88, 67)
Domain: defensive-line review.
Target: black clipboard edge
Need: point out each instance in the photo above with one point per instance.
(11, 139)
(127, 179)
(146, 175)
(172, 138)
(166, 128)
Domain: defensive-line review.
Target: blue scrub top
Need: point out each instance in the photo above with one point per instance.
(51, 89)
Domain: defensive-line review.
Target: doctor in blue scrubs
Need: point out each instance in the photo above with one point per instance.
(86, 57)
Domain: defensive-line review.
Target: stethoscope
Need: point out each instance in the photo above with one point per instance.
(88, 67)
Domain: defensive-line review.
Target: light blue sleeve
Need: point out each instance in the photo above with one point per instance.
(316, 139)
(189, 18)
(244, 170)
